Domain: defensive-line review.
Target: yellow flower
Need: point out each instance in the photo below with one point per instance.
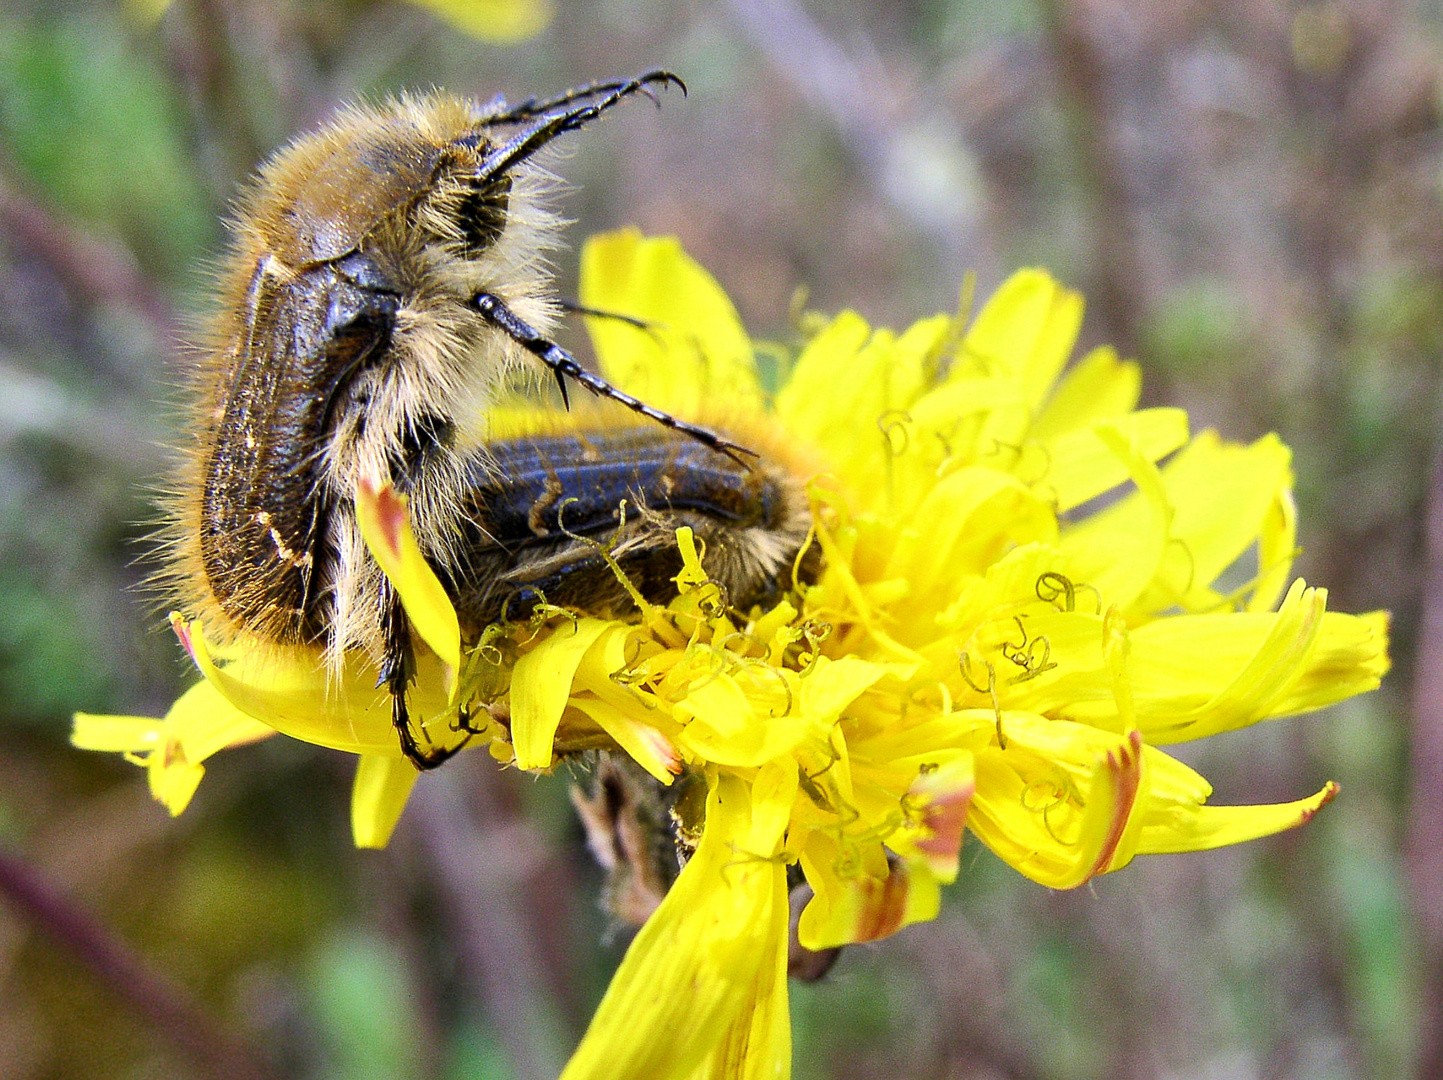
(1027, 588)
(489, 20)
(493, 20)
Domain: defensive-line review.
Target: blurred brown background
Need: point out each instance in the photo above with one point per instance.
(1249, 194)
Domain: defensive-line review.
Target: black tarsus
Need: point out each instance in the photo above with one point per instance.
(533, 107)
(398, 670)
(564, 365)
(528, 142)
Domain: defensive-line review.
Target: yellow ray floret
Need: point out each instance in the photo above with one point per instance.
(1026, 589)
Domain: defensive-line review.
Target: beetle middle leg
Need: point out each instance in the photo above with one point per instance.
(398, 671)
(565, 366)
(572, 307)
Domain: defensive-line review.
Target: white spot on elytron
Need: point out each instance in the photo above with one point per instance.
(287, 554)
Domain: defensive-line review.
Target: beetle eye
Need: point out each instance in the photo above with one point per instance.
(481, 216)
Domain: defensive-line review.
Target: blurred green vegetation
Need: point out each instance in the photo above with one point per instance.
(1251, 203)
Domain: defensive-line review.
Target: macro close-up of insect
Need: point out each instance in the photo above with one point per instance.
(631, 541)
(387, 278)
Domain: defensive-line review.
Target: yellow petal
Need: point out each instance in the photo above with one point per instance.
(1121, 550)
(704, 965)
(1012, 576)
(117, 734)
(647, 746)
(859, 906)
(773, 790)
(898, 454)
(295, 694)
(970, 419)
(832, 685)
(386, 528)
(1116, 652)
(1097, 387)
(492, 20)
(201, 720)
(1076, 683)
(1200, 675)
(1082, 465)
(724, 724)
(941, 797)
(1277, 546)
(757, 1043)
(1058, 803)
(694, 348)
(1221, 494)
(173, 783)
(1349, 656)
(968, 521)
(1194, 675)
(809, 404)
(200, 723)
(540, 685)
(860, 422)
(1028, 329)
(382, 786)
(1200, 828)
(204, 722)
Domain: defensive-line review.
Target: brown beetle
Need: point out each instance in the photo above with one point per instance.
(386, 279)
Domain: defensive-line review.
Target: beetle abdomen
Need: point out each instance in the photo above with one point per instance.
(543, 508)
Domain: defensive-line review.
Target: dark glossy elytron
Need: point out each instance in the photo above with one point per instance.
(544, 511)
